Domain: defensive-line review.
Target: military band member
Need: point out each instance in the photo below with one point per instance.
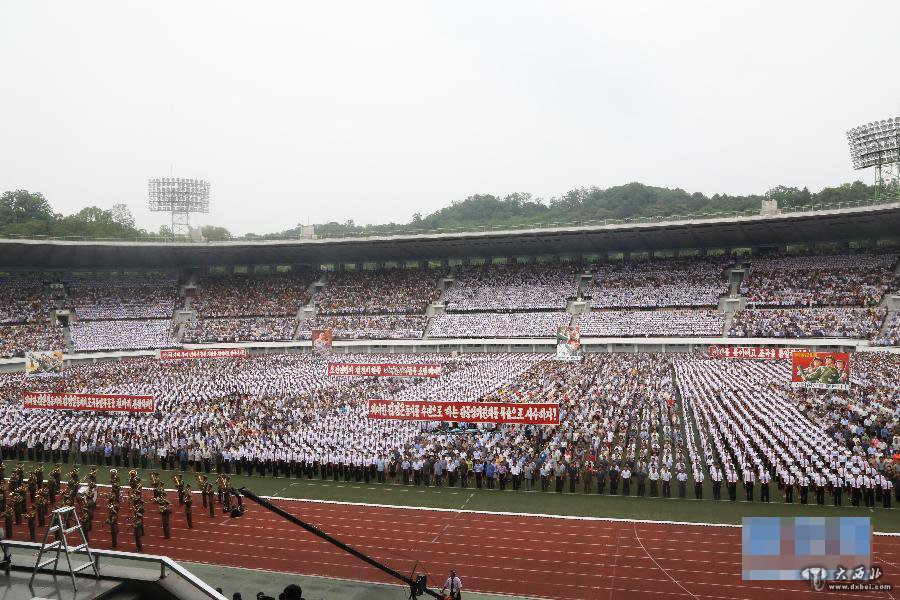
(803, 482)
(9, 514)
(165, 509)
(819, 480)
(86, 524)
(113, 521)
(716, 475)
(30, 517)
(188, 504)
(40, 503)
(681, 476)
(886, 489)
(138, 530)
(179, 487)
(789, 481)
(209, 494)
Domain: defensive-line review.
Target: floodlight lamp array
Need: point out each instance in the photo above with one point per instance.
(175, 194)
(875, 144)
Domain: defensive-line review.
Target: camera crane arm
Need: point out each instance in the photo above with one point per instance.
(418, 587)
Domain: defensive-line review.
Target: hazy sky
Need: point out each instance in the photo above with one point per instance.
(375, 110)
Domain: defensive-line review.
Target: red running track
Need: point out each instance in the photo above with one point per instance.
(556, 558)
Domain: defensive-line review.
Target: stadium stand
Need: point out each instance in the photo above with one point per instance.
(367, 327)
(808, 323)
(23, 300)
(497, 325)
(656, 283)
(122, 297)
(16, 340)
(382, 291)
(122, 335)
(859, 279)
(504, 288)
(247, 329)
(891, 334)
(645, 323)
(272, 295)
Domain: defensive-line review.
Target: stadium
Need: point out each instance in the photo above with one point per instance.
(678, 402)
(623, 391)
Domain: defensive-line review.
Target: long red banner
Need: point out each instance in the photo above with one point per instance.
(752, 352)
(384, 370)
(544, 413)
(203, 353)
(104, 402)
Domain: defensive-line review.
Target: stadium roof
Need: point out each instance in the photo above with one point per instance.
(870, 222)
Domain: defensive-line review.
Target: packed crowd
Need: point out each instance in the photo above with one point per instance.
(382, 291)
(651, 323)
(123, 297)
(497, 325)
(512, 287)
(660, 283)
(23, 300)
(367, 327)
(271, 295)
(247, 329)
(891, 334)
(620, 423)
(122, 335)
(809, 322)
(16, 340)
(859, 279)
(755, 429)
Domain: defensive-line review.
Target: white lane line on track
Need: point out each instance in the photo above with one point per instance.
(660, 567)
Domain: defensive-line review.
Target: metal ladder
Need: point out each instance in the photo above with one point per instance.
(58, 524)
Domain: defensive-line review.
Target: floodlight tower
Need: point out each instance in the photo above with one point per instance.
(877, 144)
(181, 197)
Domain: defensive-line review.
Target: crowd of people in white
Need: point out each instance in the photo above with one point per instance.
(620, 423)
(650, 323)
(122, 335)
(696, 281)
(497, 325)
(808, 322)
(891, 334)
(534, 286)
(754, 428)
(16, 340)
(366, 327)
(859, 279)
(123, 297)
(257, 329)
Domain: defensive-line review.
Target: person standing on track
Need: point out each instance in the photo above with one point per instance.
(453, 585)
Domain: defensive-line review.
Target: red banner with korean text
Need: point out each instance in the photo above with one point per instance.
(542, 413)
(821, 370)
(102, 402)
(755, 352)
(383, 370)
(203, 353)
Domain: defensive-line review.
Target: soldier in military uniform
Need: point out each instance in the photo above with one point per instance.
(207, 487)
(138, 529)
(188, 504)
(165, 509)
(9, 514)
(87, 523)
(113, 521)
(40, 504)
(179, 487)
(30, 517)
(201, 484)
(814, 372)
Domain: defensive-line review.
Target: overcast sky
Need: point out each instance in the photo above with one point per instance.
(372, 111)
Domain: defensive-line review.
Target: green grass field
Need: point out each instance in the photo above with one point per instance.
(549, 503)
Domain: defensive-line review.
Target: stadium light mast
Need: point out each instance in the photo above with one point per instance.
(181, 197)
(877, 144)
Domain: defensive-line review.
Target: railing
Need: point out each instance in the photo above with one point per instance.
(165, 564)
(410, 231)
